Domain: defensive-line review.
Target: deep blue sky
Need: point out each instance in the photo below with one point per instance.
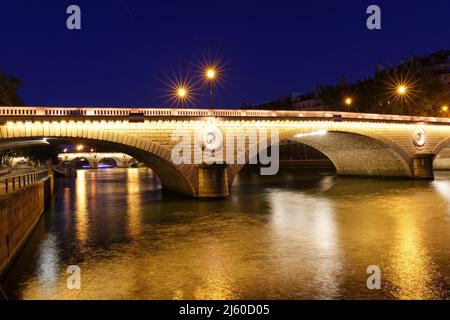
(126, 48)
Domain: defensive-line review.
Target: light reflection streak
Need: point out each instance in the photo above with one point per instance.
(410, 269)
(311, 222)
(48, 267)
(410, 262)
(81, 216)
(443, 187)
(134, 203)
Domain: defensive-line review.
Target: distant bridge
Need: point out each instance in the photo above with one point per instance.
(95, 158)
(357, 144)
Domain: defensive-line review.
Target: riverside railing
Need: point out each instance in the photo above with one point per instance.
(13, 183)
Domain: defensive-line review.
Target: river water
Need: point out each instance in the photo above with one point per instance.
(296, 235)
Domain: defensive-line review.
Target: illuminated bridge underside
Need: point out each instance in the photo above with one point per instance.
(354, 154)
(442, 161)
(357, 144)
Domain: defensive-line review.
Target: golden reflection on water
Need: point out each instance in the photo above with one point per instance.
(291, 211)
(134, 203)
(82, 211)
(269, 243)
(411, 270)
(410, 266)
(214, 286)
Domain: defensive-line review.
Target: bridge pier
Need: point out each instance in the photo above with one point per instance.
(423, 165)
(212, 181)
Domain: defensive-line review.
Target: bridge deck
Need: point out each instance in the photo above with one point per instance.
(55, 113)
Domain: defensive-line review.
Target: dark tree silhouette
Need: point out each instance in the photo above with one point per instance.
(8, 90)
(425, 94)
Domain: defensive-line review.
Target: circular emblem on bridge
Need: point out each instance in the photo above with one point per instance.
(419, 138)
(211, 138)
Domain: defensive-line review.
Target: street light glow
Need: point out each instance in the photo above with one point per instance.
(348, 101)
(401, 89)
(210, 74)
(444, 108)
(80, 147)
(182, 92)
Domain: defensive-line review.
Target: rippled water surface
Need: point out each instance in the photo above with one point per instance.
(292, 236)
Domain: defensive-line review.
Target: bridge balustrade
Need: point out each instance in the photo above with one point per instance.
(37, 112)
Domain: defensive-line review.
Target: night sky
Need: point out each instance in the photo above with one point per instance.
(127, 50)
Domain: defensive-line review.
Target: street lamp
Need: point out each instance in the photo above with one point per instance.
(348, 101)
(444, 108)
(402, 93)
(210, 76)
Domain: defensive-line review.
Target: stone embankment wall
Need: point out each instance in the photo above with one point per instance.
(19, 213)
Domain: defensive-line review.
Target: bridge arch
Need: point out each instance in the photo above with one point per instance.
(181, 178)
(351, 152)
(443, 144)
(110, 160)
(85, 160)
(442, 155)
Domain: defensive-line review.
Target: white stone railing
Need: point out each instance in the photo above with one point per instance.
(228, 113)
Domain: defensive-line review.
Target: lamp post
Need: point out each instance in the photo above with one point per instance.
(210, 76)
(402, 90)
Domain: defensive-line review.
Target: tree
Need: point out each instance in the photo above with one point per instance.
(8, 90)
(424, 94)
(284, 102)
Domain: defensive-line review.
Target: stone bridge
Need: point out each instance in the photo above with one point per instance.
(122, 160)
(357, 144)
